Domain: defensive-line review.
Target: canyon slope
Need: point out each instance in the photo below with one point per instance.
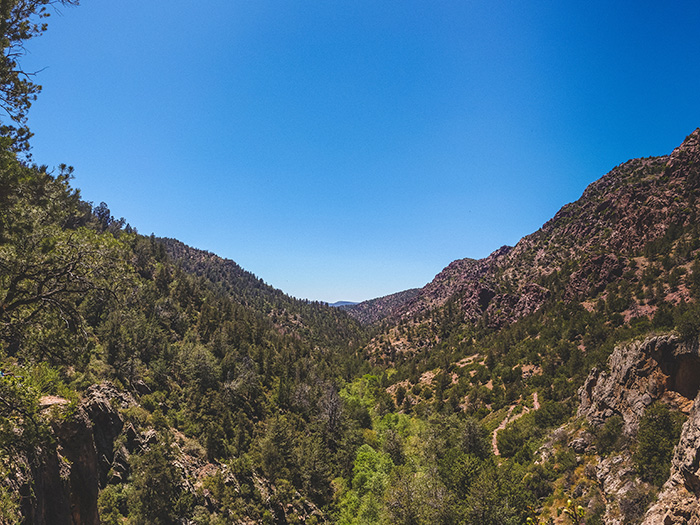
(158, 383)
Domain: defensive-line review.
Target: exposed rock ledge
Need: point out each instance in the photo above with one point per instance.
(678, 501)
(60, 482)
(662, 367)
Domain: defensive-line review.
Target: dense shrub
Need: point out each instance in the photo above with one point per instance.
(608, 437)
(659, 430)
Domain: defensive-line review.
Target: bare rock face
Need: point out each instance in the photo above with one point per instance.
(679, 502)
(593, 276)
(662, 367)
(64, 479)
(616, 478)
(640, 373)
(504, 309)
(101, 404)
(64, 482)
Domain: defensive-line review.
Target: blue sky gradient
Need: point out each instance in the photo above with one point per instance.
(347, 150)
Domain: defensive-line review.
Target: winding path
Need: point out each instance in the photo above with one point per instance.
(508, 419)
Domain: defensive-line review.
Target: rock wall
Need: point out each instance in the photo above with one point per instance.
(64, 477)
(661, 367)
(679, 500)
(64, 480)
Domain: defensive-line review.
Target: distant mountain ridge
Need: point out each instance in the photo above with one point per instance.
(373, 310)
(338, 304)
(300, 316)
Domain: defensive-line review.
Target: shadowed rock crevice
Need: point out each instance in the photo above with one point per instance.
(684, 376)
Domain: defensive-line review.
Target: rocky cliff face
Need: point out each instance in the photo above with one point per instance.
(641, 372)
(61, 481)
(63, 478)
(659, 368)
(679, 500)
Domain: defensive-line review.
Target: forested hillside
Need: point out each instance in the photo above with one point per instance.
(84, 302)
(312, 321)
(144, 381)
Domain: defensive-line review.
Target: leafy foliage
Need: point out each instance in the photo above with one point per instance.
(155, 487)
(609, 435)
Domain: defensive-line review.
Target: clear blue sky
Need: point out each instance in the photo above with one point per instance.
(351, 149)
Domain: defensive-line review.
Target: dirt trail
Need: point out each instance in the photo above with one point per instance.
(508, 419)
(494, 440)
